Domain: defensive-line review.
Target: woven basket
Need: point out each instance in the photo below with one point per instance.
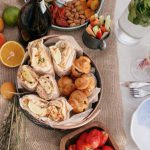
(50, 40)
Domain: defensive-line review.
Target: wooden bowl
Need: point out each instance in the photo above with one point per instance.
(72, 137)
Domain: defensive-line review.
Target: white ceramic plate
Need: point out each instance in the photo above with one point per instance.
(140, 125)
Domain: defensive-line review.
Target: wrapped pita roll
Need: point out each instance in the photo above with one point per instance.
(34, 105)
(63, 56)
(59, 110)
(47, 87)
(40, 57)
(27, 78)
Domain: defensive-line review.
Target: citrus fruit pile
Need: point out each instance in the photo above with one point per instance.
(9, 17)
(11, 52)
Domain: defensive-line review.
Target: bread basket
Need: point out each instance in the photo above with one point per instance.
(50, 40)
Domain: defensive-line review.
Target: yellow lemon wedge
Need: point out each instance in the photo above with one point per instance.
(11, 54)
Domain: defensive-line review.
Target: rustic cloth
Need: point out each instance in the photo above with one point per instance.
(37, 138)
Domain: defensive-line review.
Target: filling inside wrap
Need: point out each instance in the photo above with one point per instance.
(61, 52)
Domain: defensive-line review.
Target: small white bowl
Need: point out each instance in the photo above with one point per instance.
(140, 125)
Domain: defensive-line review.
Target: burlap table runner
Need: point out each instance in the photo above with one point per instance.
(37, 138)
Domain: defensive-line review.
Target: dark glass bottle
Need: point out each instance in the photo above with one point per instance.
(34, 21)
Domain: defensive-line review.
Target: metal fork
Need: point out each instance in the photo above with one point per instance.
(138, 92)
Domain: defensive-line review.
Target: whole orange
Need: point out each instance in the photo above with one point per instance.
(2, 39)
(1, 25)
(7, 90)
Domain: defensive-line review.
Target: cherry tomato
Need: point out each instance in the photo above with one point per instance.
(81, 145)
(72, 147)
(93, 138)
(107, 148)
(103, 29)
(83, 136)
(61, 22)
(103, 137)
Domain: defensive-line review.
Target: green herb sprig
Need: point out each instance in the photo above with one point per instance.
(9, 129)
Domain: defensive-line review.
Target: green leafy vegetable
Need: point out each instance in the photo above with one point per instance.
(139, 12)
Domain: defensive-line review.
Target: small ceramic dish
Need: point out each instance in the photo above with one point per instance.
(94, 43)
(140, 125)
(71, 138)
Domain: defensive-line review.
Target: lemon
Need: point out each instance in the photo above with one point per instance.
(11, 54)
(10, 15)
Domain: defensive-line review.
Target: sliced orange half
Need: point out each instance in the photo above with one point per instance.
(11, 54)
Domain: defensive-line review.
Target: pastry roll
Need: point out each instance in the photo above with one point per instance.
(63, 56)
(86, 83)
(34, 105)
(40, 57)
(82, 65)
(66, 85)
(92, 84)
(27, 78)
(79, 101)
(59, 110)
(47, 87)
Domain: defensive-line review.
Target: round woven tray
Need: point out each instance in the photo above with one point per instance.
(50, 40)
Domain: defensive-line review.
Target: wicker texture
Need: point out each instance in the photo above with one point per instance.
(36, 138)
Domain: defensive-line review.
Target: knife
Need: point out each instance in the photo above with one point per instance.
(134, 84)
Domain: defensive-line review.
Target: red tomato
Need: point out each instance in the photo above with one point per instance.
(81, 145)
(61, 12)
(83, 136)
(107, 148)
(62, 22)
(72, 147)
(97, 149)
(103, 137)
(94, 22)
(99, 34)
(103, 29)
(54, 9)
(93, 138)
(2, 39)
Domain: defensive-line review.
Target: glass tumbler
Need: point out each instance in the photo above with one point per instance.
(131, 26)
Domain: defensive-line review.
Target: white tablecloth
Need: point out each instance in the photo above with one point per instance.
(126, 56)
